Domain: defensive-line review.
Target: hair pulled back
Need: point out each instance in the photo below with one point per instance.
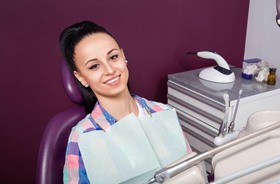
(68, 40)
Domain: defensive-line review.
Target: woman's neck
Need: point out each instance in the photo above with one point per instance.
(119, 106)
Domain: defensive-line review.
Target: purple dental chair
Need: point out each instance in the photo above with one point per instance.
(54, 141)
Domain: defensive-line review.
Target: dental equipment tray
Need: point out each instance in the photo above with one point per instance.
(200, 104)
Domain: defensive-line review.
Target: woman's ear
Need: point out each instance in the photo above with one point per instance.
(80, 78)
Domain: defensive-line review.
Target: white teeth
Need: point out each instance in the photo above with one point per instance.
(113, 80)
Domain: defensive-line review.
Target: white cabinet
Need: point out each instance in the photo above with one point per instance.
(200, 104)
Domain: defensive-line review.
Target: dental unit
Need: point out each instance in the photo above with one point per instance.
(247, 154)
(185, 170)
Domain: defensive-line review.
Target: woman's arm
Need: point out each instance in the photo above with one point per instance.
(74, 171)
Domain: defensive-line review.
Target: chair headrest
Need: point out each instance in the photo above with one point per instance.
(70, 85)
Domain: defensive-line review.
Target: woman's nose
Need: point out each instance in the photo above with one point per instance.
(109, 69)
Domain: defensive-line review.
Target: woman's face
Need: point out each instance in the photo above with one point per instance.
(101, 64)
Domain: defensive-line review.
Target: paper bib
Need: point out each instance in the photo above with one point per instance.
(133, 148)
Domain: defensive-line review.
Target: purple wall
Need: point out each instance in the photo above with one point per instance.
(155, 35)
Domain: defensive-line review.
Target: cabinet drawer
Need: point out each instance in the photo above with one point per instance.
(202, 114)
(184, 93)
(204, 132)
(208, 111)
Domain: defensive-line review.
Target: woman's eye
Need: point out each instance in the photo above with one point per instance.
(114, 57)
(94, 67)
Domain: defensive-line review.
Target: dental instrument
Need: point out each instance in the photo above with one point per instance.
(227, 134)
(232, 123)
(223, 127)
(221, 138)
(220, 73)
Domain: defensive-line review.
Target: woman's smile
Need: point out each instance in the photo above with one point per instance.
(113, 81)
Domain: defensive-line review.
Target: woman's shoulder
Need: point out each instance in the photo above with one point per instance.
(83, 125)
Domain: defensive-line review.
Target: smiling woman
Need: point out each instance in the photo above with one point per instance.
(124, 137)
(101, 66)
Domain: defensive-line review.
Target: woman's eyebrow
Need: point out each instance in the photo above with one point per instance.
(111, 51)
(94, 59)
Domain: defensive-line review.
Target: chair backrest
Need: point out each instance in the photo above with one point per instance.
(54, 141)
